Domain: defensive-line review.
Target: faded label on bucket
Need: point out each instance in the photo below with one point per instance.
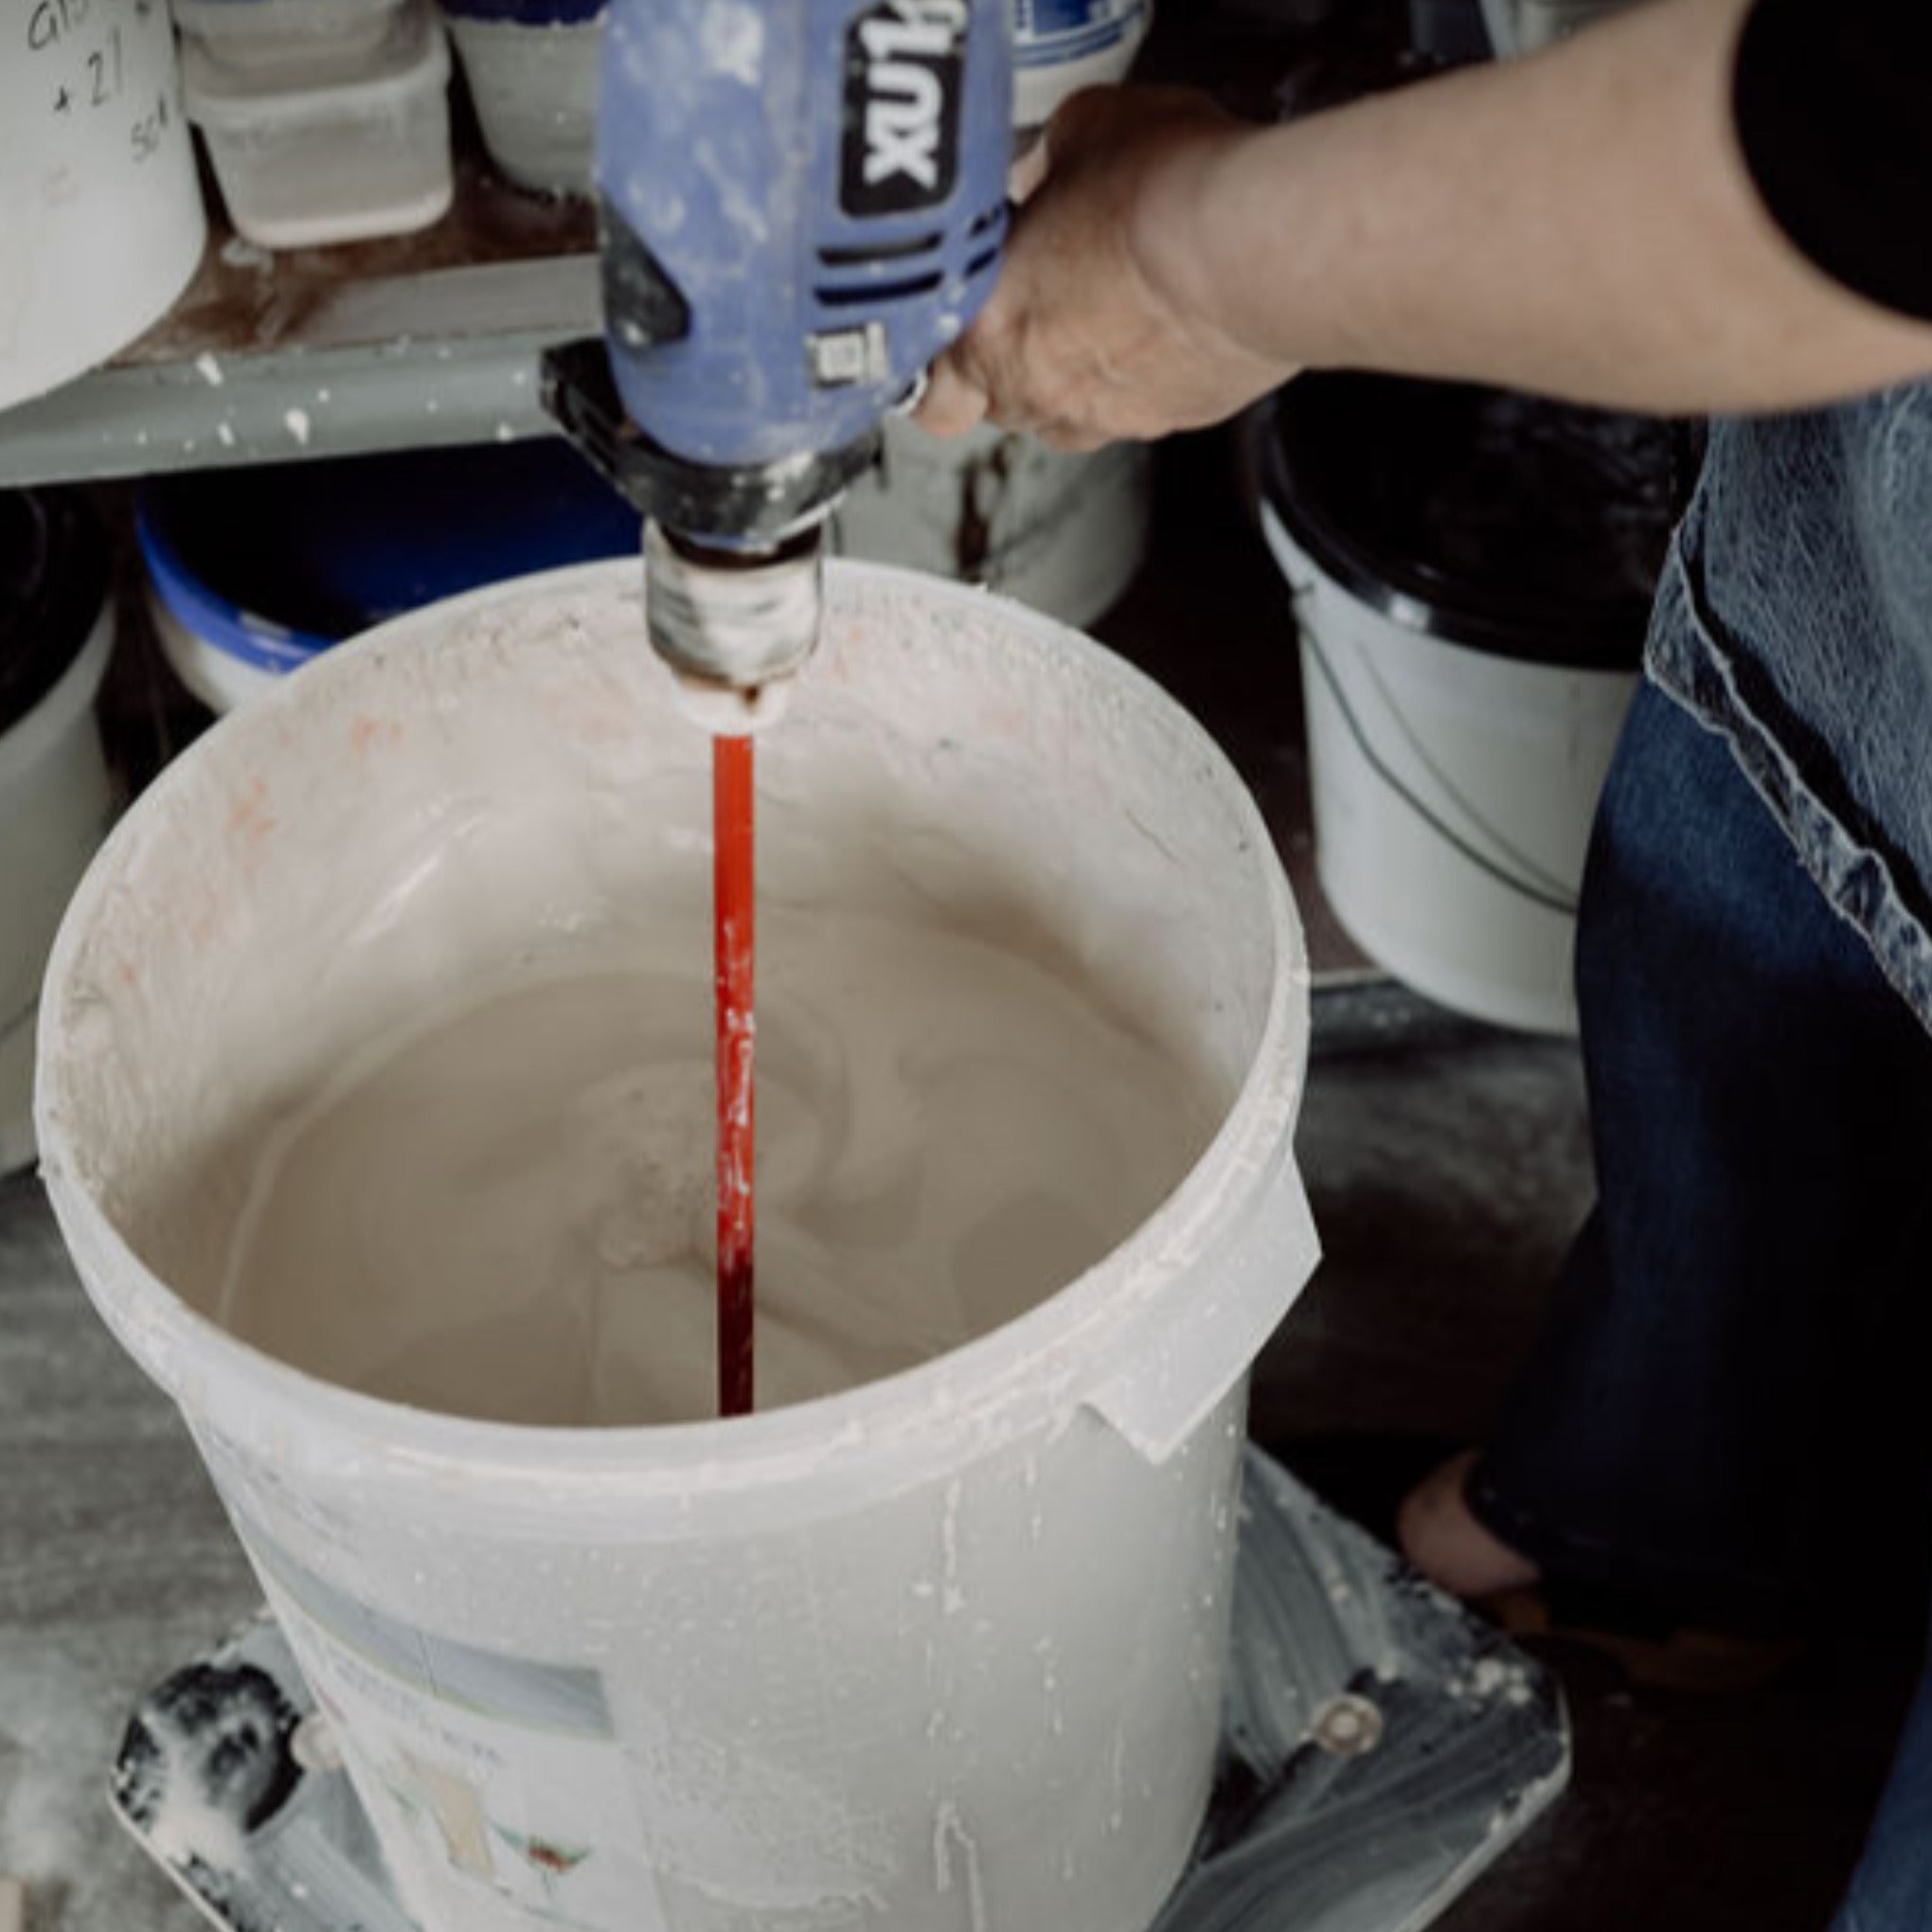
(482, 1769)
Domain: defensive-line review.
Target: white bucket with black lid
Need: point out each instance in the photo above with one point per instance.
(1472, 572)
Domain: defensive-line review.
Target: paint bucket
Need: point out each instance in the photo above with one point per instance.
(531, 65)
(100, 212)
(355, 149)
(1472, 573)
(253, 573)
(1062, 46)
(1062, 533)
(310, 42)
(941, 1652)
(56, 637)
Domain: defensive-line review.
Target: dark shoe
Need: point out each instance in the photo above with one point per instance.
(1370, 1477)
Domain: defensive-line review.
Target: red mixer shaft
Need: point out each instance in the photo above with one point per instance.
(734, 877)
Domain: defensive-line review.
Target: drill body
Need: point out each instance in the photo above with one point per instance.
(802, 202)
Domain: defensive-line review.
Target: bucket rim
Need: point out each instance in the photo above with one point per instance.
(944, 1412)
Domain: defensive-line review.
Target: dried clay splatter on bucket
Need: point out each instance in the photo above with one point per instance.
(1464, 1746)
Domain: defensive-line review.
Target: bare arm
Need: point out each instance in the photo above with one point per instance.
(1580, 222)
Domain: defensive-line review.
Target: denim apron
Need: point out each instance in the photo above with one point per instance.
(1709, 1401)
(1794, 617)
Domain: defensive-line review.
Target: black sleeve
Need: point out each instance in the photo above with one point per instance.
(1833, 104)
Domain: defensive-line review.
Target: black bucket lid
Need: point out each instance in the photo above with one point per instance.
(53, 580)
(1514, 525)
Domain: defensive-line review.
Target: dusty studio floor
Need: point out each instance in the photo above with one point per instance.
(1448, 1165)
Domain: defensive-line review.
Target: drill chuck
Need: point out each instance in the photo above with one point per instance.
(734, 625)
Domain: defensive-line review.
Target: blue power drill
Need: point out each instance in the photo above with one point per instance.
(801, 203)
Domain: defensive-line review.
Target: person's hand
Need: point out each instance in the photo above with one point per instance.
(1102, 325)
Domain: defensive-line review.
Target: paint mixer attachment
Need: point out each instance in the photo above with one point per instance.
(800, 205)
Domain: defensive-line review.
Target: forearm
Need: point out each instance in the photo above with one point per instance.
(1581, 223)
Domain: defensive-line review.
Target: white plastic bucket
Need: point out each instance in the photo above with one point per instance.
(304, 162)
(534, 84)
(311, 42)
(56, 799)
(942, 1651)
(1061, 46)
(1064, 534)
(100, 213)
(1453, 796)
(217, 678)
(1459, 722)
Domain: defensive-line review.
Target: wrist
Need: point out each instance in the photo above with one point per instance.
(1192, 243)
(1170, 231)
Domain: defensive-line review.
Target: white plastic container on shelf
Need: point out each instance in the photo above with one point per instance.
(56, 637)
(532, 75)
(1062, 533)
(252, 574)
(1061, 46)
(319, 42)
(303, 161)
(100, 213)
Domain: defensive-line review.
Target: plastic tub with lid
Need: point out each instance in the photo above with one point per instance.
(1472, 573)
(334, 152)
(253, 573)
(56, 635)
(314, 41)
(531, 65)
(100, 212)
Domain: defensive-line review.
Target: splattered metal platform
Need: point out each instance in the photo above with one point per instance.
(1381, 1749)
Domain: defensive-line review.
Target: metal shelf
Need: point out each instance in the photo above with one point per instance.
(418, 340)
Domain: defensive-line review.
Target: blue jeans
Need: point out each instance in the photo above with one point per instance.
(1734, 1362)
